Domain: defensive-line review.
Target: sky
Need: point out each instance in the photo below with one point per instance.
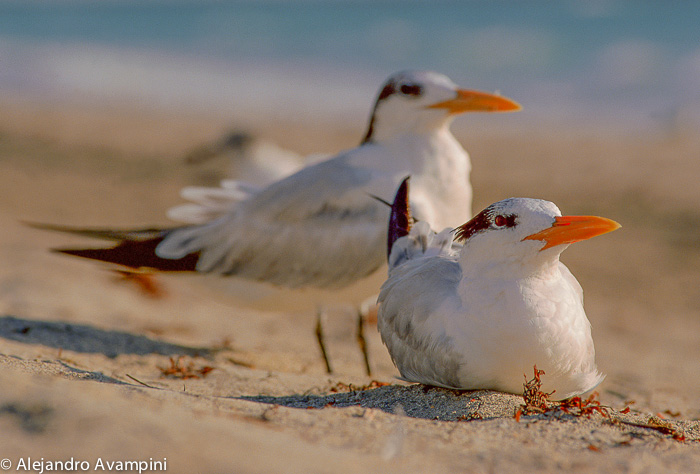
(633, 64)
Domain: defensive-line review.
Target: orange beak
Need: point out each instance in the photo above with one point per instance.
(570, 229)
(475, 101)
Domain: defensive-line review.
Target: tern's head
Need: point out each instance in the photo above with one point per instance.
(525, 232)
(415, 101)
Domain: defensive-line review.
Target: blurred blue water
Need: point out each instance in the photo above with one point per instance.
(637, 61)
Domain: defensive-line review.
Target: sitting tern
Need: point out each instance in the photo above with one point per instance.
(480, 311)
(319, 228)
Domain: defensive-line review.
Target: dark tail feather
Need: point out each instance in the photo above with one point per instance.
(400, 220)
(137, 255)
(107, 234)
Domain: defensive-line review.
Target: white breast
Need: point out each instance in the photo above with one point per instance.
(507, 327)
(486, 333)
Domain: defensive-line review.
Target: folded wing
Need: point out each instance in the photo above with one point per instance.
(319, 227)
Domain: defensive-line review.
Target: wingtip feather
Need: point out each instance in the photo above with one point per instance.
(135, 255)
(400, 220)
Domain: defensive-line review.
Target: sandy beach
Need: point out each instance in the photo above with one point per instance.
(84, 354)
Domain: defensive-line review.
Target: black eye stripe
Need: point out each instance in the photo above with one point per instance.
(411, 89)
(481, 222)
(388, 90)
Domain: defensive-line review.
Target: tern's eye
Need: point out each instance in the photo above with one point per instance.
(505, 220)
(411, 90)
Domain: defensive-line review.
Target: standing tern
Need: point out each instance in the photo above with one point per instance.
(319, 229)
(480, 312)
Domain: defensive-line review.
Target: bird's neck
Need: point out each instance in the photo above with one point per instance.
(433, 151)
(439, 168)
(382, 129)
(480, 265)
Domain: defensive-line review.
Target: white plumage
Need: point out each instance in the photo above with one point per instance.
(481, 312)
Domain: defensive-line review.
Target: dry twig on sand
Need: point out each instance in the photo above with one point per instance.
(180, 371)
(538, 402)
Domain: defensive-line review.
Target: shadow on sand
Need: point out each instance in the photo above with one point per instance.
(88, 339)
(417, 401)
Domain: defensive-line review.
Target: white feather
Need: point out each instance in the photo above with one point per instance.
(210, 203)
